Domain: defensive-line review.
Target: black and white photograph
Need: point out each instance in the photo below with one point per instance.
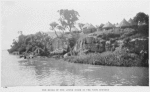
(75, 43)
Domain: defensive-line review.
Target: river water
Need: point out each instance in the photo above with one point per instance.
(51, 72)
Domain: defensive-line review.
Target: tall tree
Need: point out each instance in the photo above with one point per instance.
(80, 25)
(53, 25)
(141, 17)
(68, 18)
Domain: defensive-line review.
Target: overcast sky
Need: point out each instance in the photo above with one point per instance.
(33, 16)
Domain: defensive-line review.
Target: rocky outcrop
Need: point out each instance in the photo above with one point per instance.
(59, 46)
(59, 43)
(136, 45)
(58, 52)
(90, 44)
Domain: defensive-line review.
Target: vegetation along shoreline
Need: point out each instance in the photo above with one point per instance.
(120, 44)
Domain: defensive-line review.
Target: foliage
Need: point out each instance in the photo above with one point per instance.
(108, 58)
(114, 33)
(61, 28)
(53, 25)
(73, 39)
(68, 18)
(144, 30)
(141, 17)
(42, 44)
(39, 42)
(128, 32)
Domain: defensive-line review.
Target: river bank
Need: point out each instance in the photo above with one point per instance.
(113, 47)
(109, 59)
(121, 59)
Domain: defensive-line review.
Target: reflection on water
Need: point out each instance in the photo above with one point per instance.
(19, 72)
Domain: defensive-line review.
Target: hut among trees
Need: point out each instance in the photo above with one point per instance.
(124, 24)
(101, 27)
(75, 30)
(88, 28)
(132, 23)
(116, 25)
(108, 25)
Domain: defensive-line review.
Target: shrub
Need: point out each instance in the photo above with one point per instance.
(144, 29)
(31, 43)
(116, 33)
(128, 33)
(118, 58)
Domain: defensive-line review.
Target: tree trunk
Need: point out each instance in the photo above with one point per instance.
(62, 33)
(71, 50)
(56, 33)
(70, 29)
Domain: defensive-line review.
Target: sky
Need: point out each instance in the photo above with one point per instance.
(33, 16)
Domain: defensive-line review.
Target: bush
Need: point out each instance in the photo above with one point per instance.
(118, 58)
(116, 33)
(128, 33)
(144, 29)
(32, 43)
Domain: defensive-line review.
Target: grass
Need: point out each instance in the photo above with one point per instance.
(108, 58)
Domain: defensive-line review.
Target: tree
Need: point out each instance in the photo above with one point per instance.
(61, 28)
(33, 43)
(141, 17)
(53, 25)
(80, 25)
(68, 18)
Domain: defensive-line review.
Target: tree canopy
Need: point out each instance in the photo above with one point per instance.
(68, 18)
(39, 41)
(141, 17)
(53, 25)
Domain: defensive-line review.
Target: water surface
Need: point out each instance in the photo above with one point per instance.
(51, 72)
